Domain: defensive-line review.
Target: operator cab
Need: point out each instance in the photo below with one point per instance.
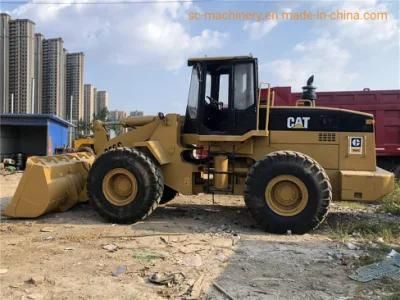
(222, 96)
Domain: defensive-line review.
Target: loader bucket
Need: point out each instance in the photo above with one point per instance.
(49, 184)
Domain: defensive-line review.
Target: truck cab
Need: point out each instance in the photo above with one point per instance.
(222, 96)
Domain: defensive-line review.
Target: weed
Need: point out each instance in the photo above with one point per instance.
(391, 203)
(352, 205)
(146, 255)
(342, 230)
(376, 252)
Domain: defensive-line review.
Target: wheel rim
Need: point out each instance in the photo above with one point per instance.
(286, 195)
(120, 186)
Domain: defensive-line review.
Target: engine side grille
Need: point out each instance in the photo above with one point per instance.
(327, 137)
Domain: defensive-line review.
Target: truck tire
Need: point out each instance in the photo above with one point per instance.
(167, 195)
(288, 191)
(124, 185)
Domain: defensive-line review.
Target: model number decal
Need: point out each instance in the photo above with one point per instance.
(298, 122)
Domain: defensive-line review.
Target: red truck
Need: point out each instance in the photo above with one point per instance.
(383, 104)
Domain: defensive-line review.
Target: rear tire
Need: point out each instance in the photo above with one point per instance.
(124, 185)
(168, 195)
(288, 191)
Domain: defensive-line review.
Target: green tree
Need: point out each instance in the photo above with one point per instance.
(117, 128)
(83, 128)
(102, 115)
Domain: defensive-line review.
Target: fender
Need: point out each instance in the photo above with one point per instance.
(157, 150)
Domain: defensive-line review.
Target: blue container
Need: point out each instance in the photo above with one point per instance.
(32, 134)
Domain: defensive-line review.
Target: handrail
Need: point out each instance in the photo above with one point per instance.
(268, 107)
(258, 108)
(259, 104)
(273, 98)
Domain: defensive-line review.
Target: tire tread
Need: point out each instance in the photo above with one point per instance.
(310, 166)
(152, 171)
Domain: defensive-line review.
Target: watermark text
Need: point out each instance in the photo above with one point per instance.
(338, 15)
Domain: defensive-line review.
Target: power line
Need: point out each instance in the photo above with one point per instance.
(133, 2)
(111, 2)
(41, 2)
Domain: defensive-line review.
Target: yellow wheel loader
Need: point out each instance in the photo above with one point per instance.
(289, 163)
(84, 144)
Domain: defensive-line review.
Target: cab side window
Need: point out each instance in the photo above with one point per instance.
(243, 86)
(193, 94)
(223, 93)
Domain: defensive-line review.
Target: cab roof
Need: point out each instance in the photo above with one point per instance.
(221, 59)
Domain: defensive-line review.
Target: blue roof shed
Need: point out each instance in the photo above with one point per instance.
(32, 134)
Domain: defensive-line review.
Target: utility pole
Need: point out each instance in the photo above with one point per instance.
(12, 103)
(33, 95)
(70, 120)
(70, 108)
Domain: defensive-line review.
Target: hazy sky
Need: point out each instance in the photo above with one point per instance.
(138, 51)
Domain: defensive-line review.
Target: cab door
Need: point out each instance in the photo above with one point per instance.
(244, 97)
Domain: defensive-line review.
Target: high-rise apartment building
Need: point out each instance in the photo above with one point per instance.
(136, 113)
(53, 77)
(21, 65)
(101, 100)
(38, 69)
(37, 75)
(4, 61)
(95, 101)
(116, 115)
(89, 100)
(74, 87)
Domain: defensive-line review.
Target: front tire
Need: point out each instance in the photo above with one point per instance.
(288, 191)
(124, 185)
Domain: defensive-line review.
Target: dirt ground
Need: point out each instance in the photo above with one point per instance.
(197, 246)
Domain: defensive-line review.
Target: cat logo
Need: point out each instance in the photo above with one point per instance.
(298, 122)
(356, 145)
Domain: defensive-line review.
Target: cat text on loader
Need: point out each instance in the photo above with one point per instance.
(289, 163)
